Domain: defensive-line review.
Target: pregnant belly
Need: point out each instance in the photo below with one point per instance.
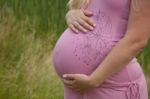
(80, 53)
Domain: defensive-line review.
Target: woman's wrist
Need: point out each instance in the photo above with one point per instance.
(93, 81)
(70, 12)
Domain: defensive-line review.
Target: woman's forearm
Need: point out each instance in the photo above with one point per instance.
(120, 55)
(136, 38)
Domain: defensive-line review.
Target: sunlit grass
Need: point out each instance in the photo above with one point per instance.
(26, 70)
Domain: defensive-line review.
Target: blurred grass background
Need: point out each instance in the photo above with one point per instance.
(29, 30)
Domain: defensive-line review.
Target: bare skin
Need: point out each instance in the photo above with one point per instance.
(135, 40)
(79, 20)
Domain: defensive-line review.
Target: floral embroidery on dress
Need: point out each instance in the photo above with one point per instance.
(91, 47)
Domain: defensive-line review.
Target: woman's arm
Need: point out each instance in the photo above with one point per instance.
(134, 41)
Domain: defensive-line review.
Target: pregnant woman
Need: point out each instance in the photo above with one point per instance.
(101, 63)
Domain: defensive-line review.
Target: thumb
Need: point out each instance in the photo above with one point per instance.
(87, 13)
(69, 76)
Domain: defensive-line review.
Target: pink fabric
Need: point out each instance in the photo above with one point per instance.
(83, 53)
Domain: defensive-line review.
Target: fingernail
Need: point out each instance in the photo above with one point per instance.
(94, 24)
(91, 28)
(64, 76)
(77, 31)
(85, 30)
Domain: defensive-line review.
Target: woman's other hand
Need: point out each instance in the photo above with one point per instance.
(79, 20)
(79, 82)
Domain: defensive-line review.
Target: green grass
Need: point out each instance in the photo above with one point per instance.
(29, 30)
(26, 70)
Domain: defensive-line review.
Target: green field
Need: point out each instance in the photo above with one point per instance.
(29, 30)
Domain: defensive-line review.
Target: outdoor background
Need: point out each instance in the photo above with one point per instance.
(29, 30)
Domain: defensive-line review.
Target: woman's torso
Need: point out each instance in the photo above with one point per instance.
(83, 52)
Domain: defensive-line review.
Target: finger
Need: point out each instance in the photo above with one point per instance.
(87, 13)
(79, 90)
(89, 21)
(71, 87)
(73, 28)
(68, 82)
(85, 24)
(69, 76)
(79, 27)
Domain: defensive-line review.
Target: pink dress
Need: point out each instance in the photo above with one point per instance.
(82, 53)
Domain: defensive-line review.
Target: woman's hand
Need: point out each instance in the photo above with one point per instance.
(79, 20)
(78, 82)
